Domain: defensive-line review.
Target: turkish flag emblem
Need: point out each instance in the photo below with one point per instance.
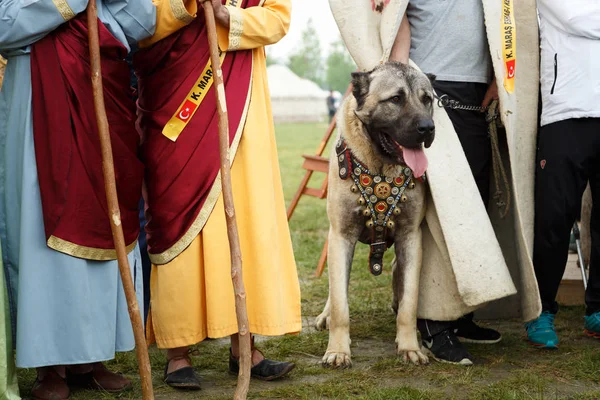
(186, 111)
(510, 68)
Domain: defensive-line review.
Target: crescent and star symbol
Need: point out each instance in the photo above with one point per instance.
(510, 68)
(186, 111)
(185, 116)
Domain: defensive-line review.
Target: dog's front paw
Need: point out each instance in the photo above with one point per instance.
(322, 322)
(333, 359)
(415, 357)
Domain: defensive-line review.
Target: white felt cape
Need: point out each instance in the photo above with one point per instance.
(469, 258)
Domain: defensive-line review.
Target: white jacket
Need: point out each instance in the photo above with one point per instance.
(570, 59)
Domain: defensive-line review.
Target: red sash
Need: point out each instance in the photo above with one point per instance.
(67, 146)
(181, 175)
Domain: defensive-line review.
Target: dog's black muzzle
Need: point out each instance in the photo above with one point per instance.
(426, 131)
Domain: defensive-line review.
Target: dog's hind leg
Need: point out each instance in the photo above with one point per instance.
(322, 321)
(396, 282)
(406, 276)
(340, 253)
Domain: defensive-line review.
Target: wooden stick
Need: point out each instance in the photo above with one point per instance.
(245, 346)
(110, 187)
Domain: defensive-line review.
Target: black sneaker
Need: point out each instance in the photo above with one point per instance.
(446, 347)
(469, 332)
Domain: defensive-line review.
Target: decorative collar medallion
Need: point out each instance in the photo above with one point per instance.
(379, 194)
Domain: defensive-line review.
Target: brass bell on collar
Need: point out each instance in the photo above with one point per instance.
(397, 211)
(369, 223)
(404, 199)
(411, 185)
(354, 189)
(366, 212)
(361, 201)
(391, 224)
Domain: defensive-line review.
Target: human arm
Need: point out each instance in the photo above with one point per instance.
(401, 48)
(575, 17)
(24, 22)
(252, 27)
(137, 17)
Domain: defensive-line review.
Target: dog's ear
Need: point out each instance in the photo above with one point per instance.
(431, 77)
(360, 87)
(363, 116)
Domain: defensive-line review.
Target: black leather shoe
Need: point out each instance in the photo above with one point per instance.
(266, 370)
(183, 378)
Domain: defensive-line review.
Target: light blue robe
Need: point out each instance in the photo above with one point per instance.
(68, 310)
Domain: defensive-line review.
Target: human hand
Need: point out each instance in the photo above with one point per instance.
(221, 13)
(490, 95)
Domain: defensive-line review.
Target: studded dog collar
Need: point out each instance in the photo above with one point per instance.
(379, 194)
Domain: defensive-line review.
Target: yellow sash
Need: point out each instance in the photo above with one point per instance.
(190, 105)
(509, 44)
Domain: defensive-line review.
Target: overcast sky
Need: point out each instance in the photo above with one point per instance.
(302, 10)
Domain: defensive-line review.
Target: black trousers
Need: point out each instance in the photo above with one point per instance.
(568, 157)
(146, 264)
(472, 131)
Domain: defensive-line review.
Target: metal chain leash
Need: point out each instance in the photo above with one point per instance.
(446, 102)
(502, 197)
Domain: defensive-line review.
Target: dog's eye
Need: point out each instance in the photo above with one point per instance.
(427, 100)
(399, 98)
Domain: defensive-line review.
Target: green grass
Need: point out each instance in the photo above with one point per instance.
(508, 370)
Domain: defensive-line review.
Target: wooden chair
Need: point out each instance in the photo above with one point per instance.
(311, 164)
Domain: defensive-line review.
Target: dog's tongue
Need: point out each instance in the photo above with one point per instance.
(416, 160)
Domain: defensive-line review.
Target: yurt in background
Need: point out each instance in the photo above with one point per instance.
(295, 99)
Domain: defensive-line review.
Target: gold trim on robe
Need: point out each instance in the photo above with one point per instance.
(236, 28)
(88, 253)
(180, 12)
(65, 10)
(207, 208)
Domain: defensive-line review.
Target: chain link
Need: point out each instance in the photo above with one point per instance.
(446, 102)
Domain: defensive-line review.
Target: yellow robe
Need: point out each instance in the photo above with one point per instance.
(192, 296)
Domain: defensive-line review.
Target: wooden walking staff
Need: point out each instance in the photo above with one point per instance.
(110, 187)
(234, 241)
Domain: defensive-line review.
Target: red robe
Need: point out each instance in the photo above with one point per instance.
(180, 174)
(67, 145)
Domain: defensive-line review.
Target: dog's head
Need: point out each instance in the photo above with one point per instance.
(395, 104)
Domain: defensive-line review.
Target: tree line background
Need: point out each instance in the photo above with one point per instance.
(307, 61)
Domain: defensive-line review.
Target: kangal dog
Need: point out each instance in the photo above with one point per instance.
(377, 195)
